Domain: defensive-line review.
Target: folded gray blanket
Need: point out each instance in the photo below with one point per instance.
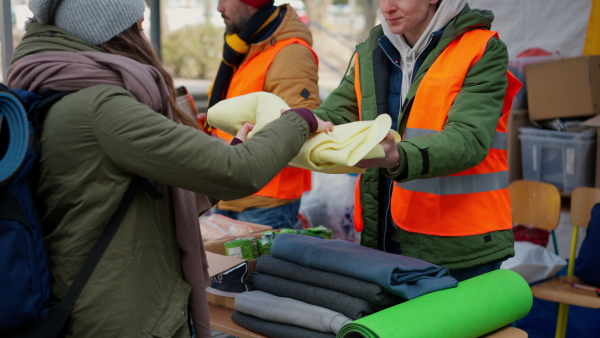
(362, 289)
(352, 307)
(275, 330)
(406, 277)
(289, 311)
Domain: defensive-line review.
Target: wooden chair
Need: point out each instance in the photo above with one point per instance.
(558, 289)
(535, 204)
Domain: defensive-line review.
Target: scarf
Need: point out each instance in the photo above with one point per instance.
(447, 11)
(67, 71)
(236, 47)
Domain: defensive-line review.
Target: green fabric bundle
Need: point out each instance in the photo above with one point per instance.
(475, 307)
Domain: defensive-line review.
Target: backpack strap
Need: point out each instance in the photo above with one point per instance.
(39, 112)
(111, 229)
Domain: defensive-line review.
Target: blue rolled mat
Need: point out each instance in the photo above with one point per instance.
(15, 128)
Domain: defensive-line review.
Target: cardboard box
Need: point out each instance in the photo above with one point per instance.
(568, 87)
(595, 122)
(218, 246)
(226, 274)
(516, 120)
(220, 320)
(516, 66)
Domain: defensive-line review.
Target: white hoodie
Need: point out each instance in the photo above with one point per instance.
(447, 11)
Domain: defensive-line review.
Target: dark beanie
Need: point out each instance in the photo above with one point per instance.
(95, 21)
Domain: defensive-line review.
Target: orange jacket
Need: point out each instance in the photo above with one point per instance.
(291, 182)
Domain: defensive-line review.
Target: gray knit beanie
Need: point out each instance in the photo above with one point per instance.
(95, 21)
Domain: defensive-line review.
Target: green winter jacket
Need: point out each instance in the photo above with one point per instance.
(471, 124)
(94, 141)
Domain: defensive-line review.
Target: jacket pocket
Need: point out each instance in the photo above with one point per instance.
(478, 249)
(169, 318)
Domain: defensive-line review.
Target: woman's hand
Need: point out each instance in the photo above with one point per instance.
(391, 159)
(242, 134)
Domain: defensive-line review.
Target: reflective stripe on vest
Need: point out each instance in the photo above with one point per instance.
(290, 182)
(476, 200)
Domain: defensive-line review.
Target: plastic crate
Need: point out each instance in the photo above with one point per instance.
(565, 159)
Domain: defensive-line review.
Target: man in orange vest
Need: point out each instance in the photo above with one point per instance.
(440, 194)
(267, 48)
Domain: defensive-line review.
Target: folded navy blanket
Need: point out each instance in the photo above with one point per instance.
(406, 277)
(352, 307)
(275, 330)
(362, 289)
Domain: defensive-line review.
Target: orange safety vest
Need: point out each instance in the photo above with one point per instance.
(290, 182)
(476, 200)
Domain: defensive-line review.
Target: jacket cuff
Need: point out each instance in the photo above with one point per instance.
(307, 115)
(402, 171)
(235, 141)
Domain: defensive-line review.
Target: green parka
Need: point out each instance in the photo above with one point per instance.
(471, 124)
(94, 141)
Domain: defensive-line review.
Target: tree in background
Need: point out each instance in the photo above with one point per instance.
(193, 51)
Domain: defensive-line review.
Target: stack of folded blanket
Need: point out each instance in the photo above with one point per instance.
(311, 287)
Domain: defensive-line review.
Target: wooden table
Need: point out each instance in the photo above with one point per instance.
(220, 320)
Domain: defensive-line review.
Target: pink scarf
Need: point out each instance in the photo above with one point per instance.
(68, 71)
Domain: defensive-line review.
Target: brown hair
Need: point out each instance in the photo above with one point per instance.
(132, 44)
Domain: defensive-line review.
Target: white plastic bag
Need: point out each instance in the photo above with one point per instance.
(533, 262)
(330, 203)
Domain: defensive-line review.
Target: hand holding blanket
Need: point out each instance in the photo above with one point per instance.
(335, 153)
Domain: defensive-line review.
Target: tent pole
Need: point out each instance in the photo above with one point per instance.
(6, 38)
(155, 26)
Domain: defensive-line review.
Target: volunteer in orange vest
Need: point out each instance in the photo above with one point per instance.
(267, 48)
(441, 193)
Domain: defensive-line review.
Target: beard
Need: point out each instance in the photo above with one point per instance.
(236, 26)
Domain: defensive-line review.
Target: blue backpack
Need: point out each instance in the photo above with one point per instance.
(27, 306)
(25, 282)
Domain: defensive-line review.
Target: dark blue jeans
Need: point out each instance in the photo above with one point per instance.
(285, 216)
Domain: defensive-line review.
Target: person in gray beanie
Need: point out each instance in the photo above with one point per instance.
(122, 121)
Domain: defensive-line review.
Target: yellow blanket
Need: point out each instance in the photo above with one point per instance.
(333, 153)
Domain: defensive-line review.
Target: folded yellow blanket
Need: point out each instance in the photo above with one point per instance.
(333, 153)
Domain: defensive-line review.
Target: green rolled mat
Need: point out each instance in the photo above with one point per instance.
(475, 307)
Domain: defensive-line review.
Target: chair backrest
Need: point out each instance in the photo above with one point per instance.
(582, 201)
(535, 204)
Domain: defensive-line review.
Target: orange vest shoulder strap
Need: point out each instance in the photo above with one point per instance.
(455, 60)
(250, 76)
(357, 89)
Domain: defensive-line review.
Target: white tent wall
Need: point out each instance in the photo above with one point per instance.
(553, 25)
